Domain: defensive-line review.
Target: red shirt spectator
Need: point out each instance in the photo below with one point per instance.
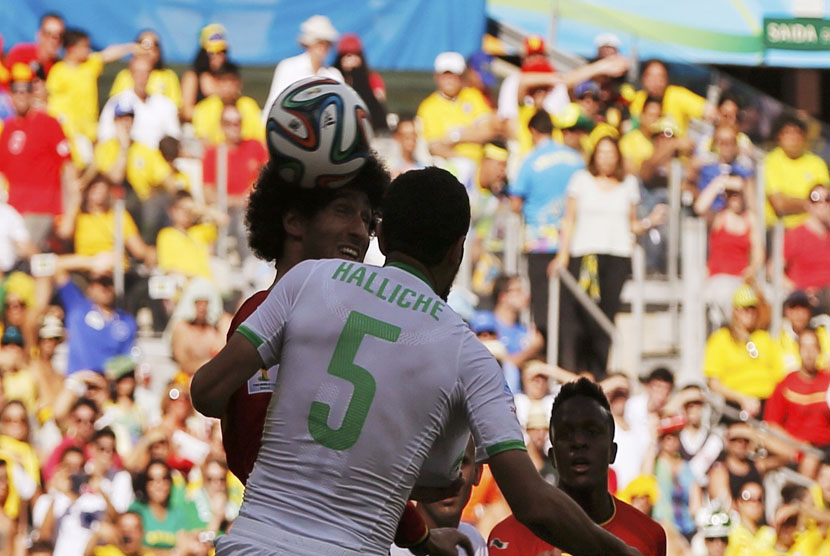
(799, 402)
(807, 247)
(244, 163)
(33, 151)
(43, 52)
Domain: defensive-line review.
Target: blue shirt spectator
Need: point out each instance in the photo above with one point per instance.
(711, 171)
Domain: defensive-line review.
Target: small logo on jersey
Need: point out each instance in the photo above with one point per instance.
(499, 544)
(263, 381)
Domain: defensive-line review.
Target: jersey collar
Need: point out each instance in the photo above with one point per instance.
(413, 271)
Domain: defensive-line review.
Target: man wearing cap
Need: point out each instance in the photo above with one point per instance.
(798, 309)
(456, 120)
(34, 159)
(581, 435)
(207, 114)
(317, 34)
(699, 445)
(742, 362)
(798, 405)
(155, 115)
(488, 206)
(538, 193)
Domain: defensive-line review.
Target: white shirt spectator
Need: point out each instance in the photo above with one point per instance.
(154, 118)
(293, 69)
(555, 101)
(12, 233)
(73, 520)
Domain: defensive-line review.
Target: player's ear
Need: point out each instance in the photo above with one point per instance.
(456, 252)
(381, 237)
(613, 453)
(294, 223)
(479, 468)
(552, 457)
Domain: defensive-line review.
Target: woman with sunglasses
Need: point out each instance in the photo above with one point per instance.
(162, 81)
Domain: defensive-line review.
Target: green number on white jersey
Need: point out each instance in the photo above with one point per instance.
(342, 365)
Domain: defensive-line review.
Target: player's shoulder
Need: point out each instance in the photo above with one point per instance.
(630, 519)
(510, 537)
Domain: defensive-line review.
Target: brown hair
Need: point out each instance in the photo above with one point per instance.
(619, 171)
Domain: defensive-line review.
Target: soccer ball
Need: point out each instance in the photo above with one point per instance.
(318, 133)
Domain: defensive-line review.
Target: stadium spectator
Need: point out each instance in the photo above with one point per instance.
(97, 330)
(79, 430)
(72, 84)
(351, 63)
(154, 115)
(600, 221)
(18, 380)
(581, 433)
(406, 136)
(479, 74)
(632, 441)
(166, 524)
(15, 445)
(125, 539)
(637, 145)
(538, 193)
(245, 158)
(162, 80)
(217, 497)
(43, 53)
(207, 114)
(107, 481)
(535, 396)
(727, 114)
(807, 249)
(798, 405)
(456, 120)
(15, 242)
(680, 496)
(700, 444)
(679, 103)
(729, 162)
(790, 174)
(447, 512)
(484, 326)
(736, 253)
(317, 35)
(198, 327)
(34, 158)
(643, 410)
(510, 299)
(749, 535)
(199, 82)
(798, 309)
(536, 431)
(741, 361)
(184, 247)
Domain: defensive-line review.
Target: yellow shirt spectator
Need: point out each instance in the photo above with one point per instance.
(186, 253)
(208, 113)
(23, 453)
(790, 352)
(161, 82)
(636, 148)
(21, 385)
(753, 368)
(793, 178)
(146, 168)
(95, 233)
(678, 102)
(441, 116)
(73, 95)
(742, 542)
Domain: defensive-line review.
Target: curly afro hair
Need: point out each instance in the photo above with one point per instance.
(272, 198)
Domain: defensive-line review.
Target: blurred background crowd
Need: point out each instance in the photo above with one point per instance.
(123, 254)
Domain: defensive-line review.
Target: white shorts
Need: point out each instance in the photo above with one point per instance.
(253, 538)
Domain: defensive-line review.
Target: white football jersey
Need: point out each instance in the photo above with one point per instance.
(374, 368)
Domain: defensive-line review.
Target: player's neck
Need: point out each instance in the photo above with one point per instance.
(429, 275)
(597, 503)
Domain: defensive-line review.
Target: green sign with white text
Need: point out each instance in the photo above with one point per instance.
(787, 33)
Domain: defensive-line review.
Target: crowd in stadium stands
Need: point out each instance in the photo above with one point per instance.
(95, 459)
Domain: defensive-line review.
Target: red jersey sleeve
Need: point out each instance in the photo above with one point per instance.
(774, 409)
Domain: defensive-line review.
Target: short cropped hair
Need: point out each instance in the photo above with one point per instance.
(272, 198)
(541, 122)
(424, 213)
(73, 36)
(787, 120)
(588, 389)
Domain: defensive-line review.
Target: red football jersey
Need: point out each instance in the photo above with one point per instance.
(245, 415)
(511, 538)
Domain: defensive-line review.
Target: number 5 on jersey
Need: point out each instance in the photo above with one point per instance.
(342, 365)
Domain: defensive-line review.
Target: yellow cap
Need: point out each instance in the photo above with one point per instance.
(214, 38)
(745, 296)
(21, 72)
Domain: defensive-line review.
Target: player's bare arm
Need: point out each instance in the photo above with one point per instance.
(217, 379)
(549, 512)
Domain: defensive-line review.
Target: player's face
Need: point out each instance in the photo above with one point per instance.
(340, 230)
(447, 512)
(582, 444)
